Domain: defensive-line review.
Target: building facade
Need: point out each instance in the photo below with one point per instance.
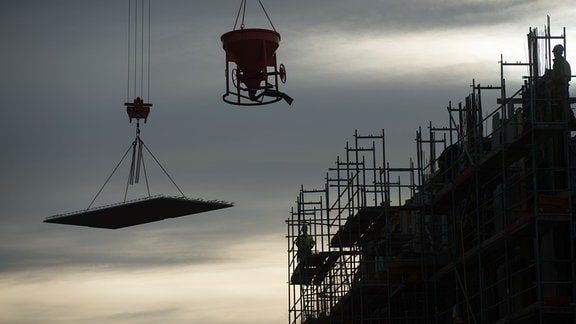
(479, 228)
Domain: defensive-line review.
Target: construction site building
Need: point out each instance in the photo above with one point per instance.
(480, 227)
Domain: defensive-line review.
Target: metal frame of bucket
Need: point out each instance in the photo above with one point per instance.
(254, 77)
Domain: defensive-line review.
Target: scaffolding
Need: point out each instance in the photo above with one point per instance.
(480, 228)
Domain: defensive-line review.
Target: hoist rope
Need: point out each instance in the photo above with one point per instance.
(146, 178)
(242, 10)
(149, 32)
(266, 13)
(142, 53)
(110, 176)
(139, 18)
(135, 46)
(135, 146)
(134, 175)
(165, 172)
(136, 165)
(129, 35)
(133, 161)
(137, 57)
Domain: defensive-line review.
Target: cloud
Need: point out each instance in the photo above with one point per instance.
(149, 316)
(380, 17)
(226, 291)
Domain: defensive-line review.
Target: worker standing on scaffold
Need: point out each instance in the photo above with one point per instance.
(305, 243)
(558, 83)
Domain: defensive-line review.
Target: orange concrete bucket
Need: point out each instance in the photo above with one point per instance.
(253, 51)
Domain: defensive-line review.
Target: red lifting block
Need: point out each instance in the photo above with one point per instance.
(138, 109)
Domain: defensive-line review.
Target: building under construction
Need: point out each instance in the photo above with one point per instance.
(478, 228)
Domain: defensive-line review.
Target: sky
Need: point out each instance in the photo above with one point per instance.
(351, 65)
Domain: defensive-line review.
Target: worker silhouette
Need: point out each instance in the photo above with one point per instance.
(305, 243)
(557, 82)
(560, 75)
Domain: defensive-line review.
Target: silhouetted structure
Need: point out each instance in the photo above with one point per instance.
(480, 228)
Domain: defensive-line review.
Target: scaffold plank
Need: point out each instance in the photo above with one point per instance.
(313, 268)
(350, 232)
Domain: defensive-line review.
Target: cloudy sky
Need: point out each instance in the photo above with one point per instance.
(366, 65)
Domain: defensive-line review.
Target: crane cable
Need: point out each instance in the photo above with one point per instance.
(242, 10)
(142, 32)
(137, 58)
(266, 13)
(139, 30)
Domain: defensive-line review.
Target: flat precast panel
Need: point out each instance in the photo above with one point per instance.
(137, 212)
